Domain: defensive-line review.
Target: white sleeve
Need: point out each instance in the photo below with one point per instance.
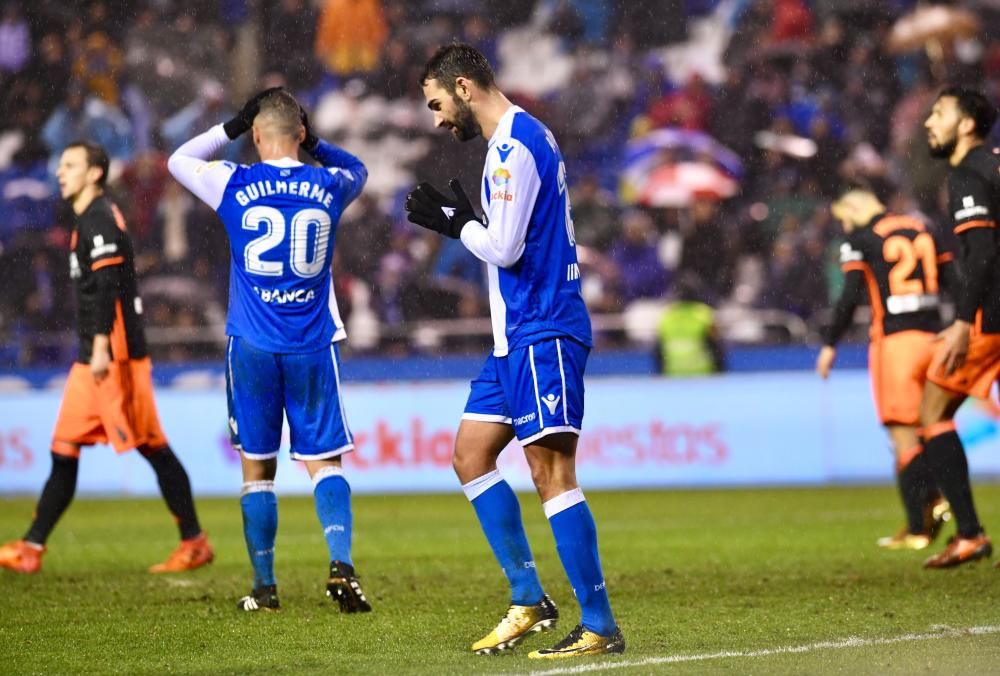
(189, 165)
(513, 181)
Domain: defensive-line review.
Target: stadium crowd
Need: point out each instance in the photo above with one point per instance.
(768, 106)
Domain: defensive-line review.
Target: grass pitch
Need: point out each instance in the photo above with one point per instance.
(701, 581)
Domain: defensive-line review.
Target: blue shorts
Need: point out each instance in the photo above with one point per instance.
(261, 386)
(538, 389)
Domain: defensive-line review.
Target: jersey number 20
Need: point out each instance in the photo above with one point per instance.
(306, 261)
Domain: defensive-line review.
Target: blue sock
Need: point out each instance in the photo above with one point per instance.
(260, 525)
(576, 541)
(499, 514)
(333, 507)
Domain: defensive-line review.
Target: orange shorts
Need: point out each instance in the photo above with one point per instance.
(120, 411)
(981, 368)
(898, 366)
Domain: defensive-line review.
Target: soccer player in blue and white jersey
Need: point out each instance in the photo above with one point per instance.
(283, 325)
(531, 386)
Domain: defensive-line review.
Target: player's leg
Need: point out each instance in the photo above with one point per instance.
(553, 469)
(925, 510)
(25, 555)
(254, 397)
(483, 433)
(194, 550)
(545, 386)
(78, 423)
(320, 436)
(947, 461)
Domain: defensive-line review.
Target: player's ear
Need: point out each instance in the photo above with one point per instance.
(967, 126)
(462, 88)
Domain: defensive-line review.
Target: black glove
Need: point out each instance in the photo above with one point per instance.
(425, 206)
(241, 124)
(310, 142)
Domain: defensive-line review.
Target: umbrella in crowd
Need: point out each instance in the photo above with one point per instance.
(671, 167)
(929, 24)
(679, 184)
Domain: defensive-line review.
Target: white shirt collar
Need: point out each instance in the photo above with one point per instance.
(284, 162)
(504, 123)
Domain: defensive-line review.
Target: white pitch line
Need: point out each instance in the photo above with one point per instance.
(850, 642)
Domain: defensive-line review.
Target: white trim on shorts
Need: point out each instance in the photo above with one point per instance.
(323, 456)
(562, 376)
(259, 456)
(487, 417)
(340, 396)
(534, 380)
(546, 431)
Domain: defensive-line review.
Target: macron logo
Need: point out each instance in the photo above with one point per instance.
(504, 151)
(551, 401)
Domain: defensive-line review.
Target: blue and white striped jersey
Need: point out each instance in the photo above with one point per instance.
(281, 217)
(528, 242)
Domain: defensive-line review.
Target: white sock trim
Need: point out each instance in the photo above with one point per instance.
(477, 487)
(562, 502)
(325, 473)
(257, 487)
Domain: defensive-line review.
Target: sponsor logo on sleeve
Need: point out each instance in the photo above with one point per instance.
(970, 209)
(504, 150)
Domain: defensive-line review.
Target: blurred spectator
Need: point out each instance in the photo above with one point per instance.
(688, 342)
(640, 273)
(797, 281)
(15, 39)
(143, 182)
(706, 247)
(206, 111)
(83, 117)
(291, 29)
(595, 218)
(99, 65)
(350, 36)
(27, 196)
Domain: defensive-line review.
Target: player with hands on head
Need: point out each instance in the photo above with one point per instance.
(531, 386)
(283, 324)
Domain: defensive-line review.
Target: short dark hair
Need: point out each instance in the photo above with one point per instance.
(456, 60)
(974, 105)
(284, 109)
(97, 156)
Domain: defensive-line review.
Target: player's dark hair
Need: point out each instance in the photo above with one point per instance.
(974, 105)
(97, 156)
(284, 110)
(456, 60)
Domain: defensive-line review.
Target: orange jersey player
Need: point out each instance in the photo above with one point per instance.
(967, 359)
(897, 260)
(108, 396)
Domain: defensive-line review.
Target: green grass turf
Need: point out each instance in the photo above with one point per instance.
(690, 573)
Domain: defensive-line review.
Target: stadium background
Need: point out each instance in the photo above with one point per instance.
(704, 141)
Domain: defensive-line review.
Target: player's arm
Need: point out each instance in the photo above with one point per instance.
(349, 171)
(976, 227)
(514, 183)
(852, 263)
(190, 165)
(106, 262)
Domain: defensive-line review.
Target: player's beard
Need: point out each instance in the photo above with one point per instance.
(942, 150)
(465, 125)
